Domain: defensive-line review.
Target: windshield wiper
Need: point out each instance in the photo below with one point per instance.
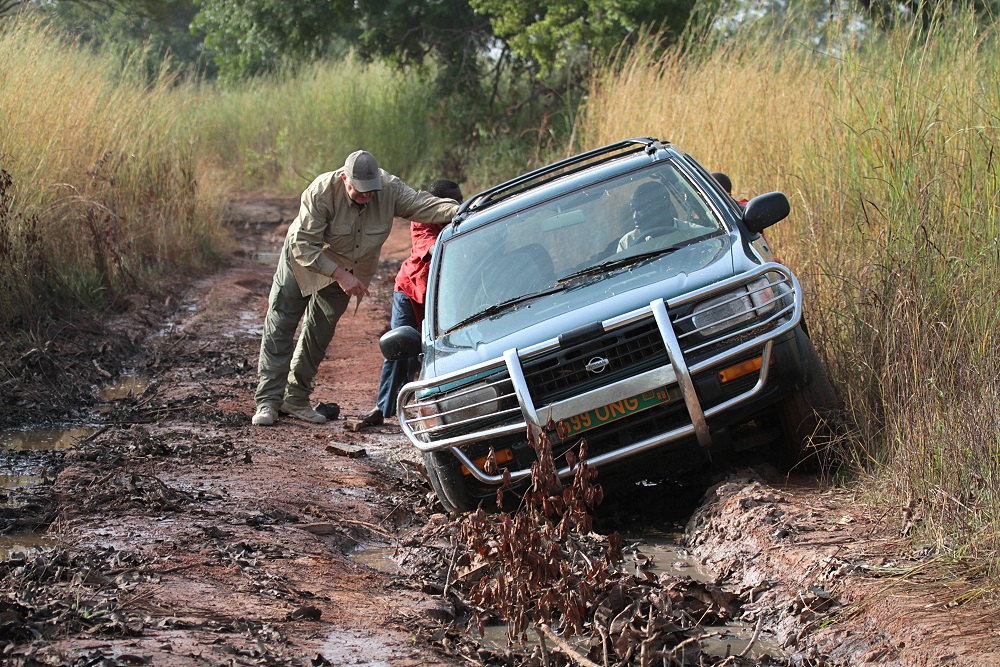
(502, 306)
(605, 267)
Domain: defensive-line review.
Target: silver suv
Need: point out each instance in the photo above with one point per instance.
(619, 296)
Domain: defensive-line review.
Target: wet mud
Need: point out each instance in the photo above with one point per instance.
(146, 521)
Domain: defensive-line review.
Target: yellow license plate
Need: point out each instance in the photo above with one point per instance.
(614, 411)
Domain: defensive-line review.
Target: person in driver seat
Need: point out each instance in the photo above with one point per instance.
(652, 213)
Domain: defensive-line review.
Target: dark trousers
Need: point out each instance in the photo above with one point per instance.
(397, 373)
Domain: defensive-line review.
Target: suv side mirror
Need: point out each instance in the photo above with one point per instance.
(764, 210)
(400, 343)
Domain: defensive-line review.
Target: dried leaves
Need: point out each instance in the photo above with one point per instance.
(544, 569)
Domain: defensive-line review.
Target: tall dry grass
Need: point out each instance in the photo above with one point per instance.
(98, 185)
(887, 148)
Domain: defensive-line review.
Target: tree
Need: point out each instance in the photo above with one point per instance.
(554, 33)
(141, 32)
(448, 32)
(250, 37)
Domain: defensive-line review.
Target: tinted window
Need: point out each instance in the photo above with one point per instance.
(535, 249)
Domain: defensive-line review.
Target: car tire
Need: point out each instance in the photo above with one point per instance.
(445, 474)
(807, 415)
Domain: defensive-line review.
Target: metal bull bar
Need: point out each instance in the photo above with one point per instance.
(533, 419)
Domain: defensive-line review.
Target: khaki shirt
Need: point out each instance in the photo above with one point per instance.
(331, 230)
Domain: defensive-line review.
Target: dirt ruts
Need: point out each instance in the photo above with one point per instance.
(185, 536)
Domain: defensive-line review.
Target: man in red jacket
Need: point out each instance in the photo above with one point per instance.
(408, 304)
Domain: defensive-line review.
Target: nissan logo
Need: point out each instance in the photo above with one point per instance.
(597, 365)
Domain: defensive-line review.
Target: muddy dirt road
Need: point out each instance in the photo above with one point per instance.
(173, 532)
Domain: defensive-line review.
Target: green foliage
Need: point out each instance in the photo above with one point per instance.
(409, 33)
(553, 33)
(251, 37)
(151, 36)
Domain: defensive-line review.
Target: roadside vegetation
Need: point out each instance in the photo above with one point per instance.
(887, 150)
(278, 133)
(885, 143)
(99, 190)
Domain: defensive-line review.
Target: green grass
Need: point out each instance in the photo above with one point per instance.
(887, 149)
(280, 133)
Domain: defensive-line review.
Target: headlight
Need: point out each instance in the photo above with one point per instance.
(459, 406)
(734, 308)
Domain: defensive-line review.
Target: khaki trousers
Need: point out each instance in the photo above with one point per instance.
(285, 369)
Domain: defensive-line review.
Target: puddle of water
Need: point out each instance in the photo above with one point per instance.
(722, 641)
(22, 455)
(495, 637)
(27, 544)
(18, 482)
(660, 553)
(734, 637)
(655, 552)
(378, 558)
(349, 647)
(44, 440)
(126, 386)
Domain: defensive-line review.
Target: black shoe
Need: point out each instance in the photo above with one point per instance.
(329, 410)
(373, 418)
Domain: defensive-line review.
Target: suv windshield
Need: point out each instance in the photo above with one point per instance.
(602, 227)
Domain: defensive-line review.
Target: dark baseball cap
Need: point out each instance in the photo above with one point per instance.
(362, 168)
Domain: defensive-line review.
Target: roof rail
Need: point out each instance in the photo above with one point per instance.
(548, 173)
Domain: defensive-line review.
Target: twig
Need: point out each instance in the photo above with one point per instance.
(682, 645)
(451, 566)
(391, 512)
(541, 645)
(565, 648)
(96, 434)
(604, 645)
(753, 638)
(370, 526)
(104, 479)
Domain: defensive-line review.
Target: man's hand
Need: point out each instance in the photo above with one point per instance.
(351, 285)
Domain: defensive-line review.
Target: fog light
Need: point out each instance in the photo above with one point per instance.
(502, 456)
(741, 369)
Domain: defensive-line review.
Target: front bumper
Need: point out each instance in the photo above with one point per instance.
(660, 361)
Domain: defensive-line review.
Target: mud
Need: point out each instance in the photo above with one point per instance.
(175, 533)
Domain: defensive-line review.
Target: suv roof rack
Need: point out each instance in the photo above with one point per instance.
(548, 173)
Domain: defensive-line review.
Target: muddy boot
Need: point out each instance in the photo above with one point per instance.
(305, 413)
(265, 416)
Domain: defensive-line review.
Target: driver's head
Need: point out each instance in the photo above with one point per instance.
(648, 203)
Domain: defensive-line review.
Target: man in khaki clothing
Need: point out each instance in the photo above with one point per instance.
(330, 254)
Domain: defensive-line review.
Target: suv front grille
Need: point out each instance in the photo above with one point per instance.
(562, 373)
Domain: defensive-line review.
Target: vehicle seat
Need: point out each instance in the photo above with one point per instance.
(520, 271)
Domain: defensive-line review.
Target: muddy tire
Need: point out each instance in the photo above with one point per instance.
(445, 475)
(807, 415)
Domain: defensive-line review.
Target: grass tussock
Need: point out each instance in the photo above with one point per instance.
(887, 148)
(281, 132)
(99, 190)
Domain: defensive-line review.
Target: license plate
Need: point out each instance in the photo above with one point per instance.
(614, 411)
